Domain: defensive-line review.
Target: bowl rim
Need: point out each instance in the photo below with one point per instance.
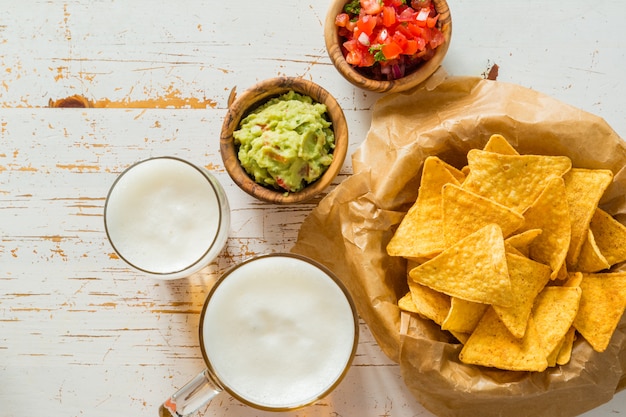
(258, 94)
(421, 74)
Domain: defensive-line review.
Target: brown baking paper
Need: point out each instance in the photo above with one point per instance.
(350, 228)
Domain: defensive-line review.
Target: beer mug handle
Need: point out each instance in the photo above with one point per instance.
(191, 397)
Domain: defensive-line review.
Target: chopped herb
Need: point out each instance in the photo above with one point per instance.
(354, 7)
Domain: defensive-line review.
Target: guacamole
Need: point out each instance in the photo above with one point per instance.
(286, 143)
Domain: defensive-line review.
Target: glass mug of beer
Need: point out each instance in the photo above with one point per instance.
(166, 217)
(277, 332)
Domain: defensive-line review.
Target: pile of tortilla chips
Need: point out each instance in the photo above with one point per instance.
(513, 256)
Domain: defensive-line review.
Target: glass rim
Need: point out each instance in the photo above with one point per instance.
(207, 176)
(330, 274)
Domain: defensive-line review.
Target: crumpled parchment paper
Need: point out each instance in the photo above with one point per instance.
(349, 230)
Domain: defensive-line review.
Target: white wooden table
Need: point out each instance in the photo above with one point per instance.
(83, 335)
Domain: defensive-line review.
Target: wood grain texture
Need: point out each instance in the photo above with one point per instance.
(81, 333)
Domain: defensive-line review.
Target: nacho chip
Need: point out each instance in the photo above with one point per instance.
(463, 315)
(406, 303)
(420, 232)
(491, 344)
(429, 303)
(591, 258)
(461, 337)
(521, 241)
(565, 351)
(554, 312)
(527, 280)
(584, 188)
(610, 236)
(550, 213)
(573, 279)
(514, 181)
(601, 307)
(465, 212)
(498, 144)
(474, 269)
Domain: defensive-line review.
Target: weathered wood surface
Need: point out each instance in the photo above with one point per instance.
(83, 335)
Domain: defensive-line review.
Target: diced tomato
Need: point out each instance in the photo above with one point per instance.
(391, 50)
(389, 16)
(366, 24)
(399, 39)
(358, 54)
(411, 47)
(371, 6)
(342, 19)
(436, 39)
(406, 15)
(431, 22)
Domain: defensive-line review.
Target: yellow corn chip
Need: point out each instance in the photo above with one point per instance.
(550, 213)
(461, 337)
(584, 188)
(591, 258)
(456, 173)
(420, 233)
(527, 279)
(463, 315)
(474, 269)
(554, 312)
(601, 307)
(565, 351)
(429, 303)
(521, 241)
(610, 236)
(406, 303)
(465, 212)
(498, 144)
(573, 279)
(491, 344)
(514, 181)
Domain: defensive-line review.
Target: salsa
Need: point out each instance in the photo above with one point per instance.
(286, 143)
(388, 39)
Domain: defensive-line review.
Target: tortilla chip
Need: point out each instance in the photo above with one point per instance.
(573, 279)
(565, 351)
(491, 344)
(420, 233)
(498, 144)
(584, 188)
(554, 312)
(406, 303)
(465, 212)
(601, 307)
(429, 303)
(461, 337)
(514, 181)
(474, 269)
(456, 173)
(610, 236)
(463, 315)
(591, 258)
(527, 280)
(521, 241)
(550, 213)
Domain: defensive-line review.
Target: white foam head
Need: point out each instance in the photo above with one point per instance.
(278, 332)
(166, 216)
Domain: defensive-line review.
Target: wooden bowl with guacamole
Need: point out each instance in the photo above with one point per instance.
(387, 46)
(284, 140)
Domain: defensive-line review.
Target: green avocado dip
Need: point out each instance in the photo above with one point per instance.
(286, 143)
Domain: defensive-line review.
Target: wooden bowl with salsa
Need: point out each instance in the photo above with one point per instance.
(387, 45)
(284, 140)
